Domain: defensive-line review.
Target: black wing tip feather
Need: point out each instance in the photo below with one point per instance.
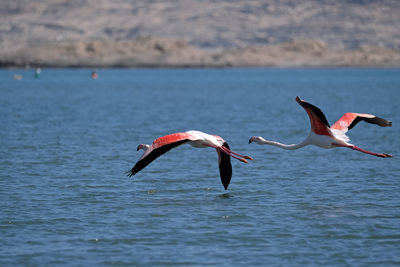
(130, 173)
(225, 168)
(138, 166)
(375, 120)
(382, 122)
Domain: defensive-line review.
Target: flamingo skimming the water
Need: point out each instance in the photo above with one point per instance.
(197, 139)
(325, 136)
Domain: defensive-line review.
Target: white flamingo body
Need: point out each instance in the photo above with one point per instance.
(320, 140)
(196, 139)
(325, 141)
(203, 140)
(326, 136)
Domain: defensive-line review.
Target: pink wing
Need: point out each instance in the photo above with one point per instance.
(160, 146)
(319, 123)
(349, 120)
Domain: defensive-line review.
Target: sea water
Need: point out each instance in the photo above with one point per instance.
(67, 141)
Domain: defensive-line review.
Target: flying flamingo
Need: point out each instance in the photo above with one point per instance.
(197, 139)
(324, 136)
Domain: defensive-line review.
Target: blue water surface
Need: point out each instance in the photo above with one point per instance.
(66, 142)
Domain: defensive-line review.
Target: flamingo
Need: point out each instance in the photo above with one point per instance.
(197, 139)
(325, 136)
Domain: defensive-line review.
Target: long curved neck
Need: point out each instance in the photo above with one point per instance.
(284, 146)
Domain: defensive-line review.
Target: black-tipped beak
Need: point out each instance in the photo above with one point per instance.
(250, 141)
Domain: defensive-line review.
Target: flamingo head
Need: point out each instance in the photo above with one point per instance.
(257, 139)
(143, 146)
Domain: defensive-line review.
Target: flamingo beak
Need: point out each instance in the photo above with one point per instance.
(250, 141)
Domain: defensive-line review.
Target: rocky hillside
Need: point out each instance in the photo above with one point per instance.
(199, 33)
(156, 52)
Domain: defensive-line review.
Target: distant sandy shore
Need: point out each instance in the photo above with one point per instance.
(161, 52)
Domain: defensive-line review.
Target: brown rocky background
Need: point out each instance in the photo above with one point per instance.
(199, 33)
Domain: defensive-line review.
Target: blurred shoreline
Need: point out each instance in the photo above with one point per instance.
(163, 52)
(190, 33)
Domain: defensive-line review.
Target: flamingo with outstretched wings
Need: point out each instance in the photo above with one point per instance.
(197, 139)
(326, 136)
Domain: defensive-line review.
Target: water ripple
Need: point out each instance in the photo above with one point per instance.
(66, 142)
